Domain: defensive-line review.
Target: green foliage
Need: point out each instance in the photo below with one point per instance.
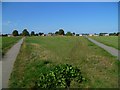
(60, 32)
(59, 77)
(25, 32)
(32, 33)
(15, 33)
(57, 33)
(68, 34)
(77, 34)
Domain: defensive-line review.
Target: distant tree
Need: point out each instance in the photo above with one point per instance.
(40, 33)
(15, 33)
(102, 34)
(4, 34)
(77, 34)
(50, 34)
(32, 33)
(68, 34)
(61, 32)
(118, 34)
(57, 32)
(36, 34)
(113, 34)
(20, 34)
(25, 32)
(73, 33)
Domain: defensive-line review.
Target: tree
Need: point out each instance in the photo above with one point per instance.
(32, 33)
(15, 33)
(25, 32)
(68, 34)
(73, 33)
(20, 34)
(41, 33)
(36, 34)
(113, 34)
(102, 34)
(77, 34)
(61, 32)
(118, 34)
(57, 32)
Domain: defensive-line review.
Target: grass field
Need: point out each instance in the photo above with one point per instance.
(108, 40)
(98, 67)
(8, 42)
(0, 45)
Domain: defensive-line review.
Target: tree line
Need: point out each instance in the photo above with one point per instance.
(26, 33)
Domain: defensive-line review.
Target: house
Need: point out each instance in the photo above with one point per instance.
(9, 35)
(80, 35)
(43, 35)
(96, 35)
(91, 34)
(106, 34)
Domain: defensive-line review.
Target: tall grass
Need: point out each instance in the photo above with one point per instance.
(98, 67)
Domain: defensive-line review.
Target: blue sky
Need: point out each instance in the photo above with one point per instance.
(78, 17)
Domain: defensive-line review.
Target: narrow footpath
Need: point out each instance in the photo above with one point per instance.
(0, 74)
(109, 49)
(8, 62)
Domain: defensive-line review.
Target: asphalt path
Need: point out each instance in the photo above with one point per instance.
(109, 49)
(7, 63)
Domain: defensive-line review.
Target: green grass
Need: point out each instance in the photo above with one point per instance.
(98, 67)
(8, 42)
(0, 45)
(108, 40)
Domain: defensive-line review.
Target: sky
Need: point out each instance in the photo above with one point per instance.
(60, 0)
(78, 17)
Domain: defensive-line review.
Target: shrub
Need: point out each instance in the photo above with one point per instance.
(59, 77)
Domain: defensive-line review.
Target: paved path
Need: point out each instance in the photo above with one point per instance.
(109, 49)
(8, 62)
(0, 74)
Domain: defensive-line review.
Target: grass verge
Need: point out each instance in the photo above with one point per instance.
(108, 40)
(8, 42)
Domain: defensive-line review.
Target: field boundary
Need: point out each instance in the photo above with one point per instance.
(109, 49)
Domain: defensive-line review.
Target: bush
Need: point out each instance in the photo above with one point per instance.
(59, 77)
(68, 34)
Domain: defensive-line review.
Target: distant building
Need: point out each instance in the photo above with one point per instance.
(93, 34)
(90, 35)
(43, 35)
(96, 35)
(80, 35)
(106, 34)
(9, 35)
